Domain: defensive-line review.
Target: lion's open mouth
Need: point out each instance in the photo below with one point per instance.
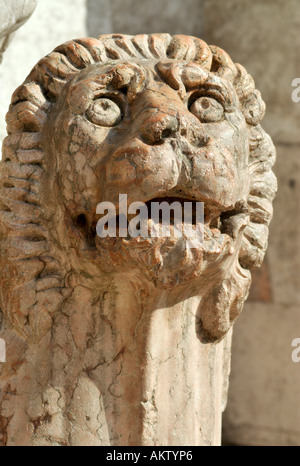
(173, 212)
(181, 253)
(210, 223)
(211, 217)
(187, 209)
(173, 201)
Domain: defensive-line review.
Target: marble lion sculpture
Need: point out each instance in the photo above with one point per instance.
(157, 117)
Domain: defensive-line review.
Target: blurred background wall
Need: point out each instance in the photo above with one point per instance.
(263, 35)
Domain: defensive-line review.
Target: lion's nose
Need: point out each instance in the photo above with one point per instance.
(159, 127)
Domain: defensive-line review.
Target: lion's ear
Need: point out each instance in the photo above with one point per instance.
(263, 186)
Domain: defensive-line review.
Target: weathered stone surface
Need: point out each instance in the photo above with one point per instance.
(126, 341)
(14, 13)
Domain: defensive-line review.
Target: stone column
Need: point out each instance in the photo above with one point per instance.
(125, 339)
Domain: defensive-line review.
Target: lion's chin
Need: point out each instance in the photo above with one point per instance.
(167, 261)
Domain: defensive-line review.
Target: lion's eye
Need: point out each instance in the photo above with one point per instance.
(207, 110)
(104, 112)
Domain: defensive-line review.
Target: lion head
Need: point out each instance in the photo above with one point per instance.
(158, 118)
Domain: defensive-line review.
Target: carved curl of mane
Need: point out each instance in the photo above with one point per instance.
(27, 240)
